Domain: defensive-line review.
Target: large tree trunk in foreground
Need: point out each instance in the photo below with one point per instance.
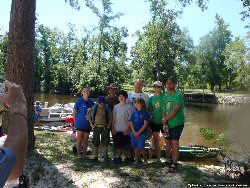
(20, 57)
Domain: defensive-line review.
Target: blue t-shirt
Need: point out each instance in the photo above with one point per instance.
(7, 162)
(82, 107)
(138, 118)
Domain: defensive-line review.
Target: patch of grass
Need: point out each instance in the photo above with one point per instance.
(191, 174)
(55, 146)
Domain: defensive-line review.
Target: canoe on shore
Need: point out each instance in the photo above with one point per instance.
(192, 152)
(54, 117)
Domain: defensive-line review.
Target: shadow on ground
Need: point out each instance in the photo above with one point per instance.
(53, 164)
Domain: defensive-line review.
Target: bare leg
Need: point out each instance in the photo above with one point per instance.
(106, 151)
(85, 144)
(119, 152)
(157, 144)
(144, 155)
(168, 148)
(79, 142)
(136, 155)
(175, 150)
(151, 152)
(96, 151)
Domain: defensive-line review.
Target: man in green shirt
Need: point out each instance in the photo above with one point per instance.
(174, 119)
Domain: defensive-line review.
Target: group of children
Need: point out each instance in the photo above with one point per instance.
(127, 124)
(123, 119)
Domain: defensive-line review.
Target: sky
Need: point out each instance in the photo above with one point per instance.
(58, 14)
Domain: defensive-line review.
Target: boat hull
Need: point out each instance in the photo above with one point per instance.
(192, 152)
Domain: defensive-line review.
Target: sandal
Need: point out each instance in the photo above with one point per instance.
(169, 162)
(172, 168)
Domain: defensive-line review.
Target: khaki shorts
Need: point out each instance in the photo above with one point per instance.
(104, 133)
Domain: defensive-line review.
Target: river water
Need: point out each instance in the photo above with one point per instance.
(218, 117)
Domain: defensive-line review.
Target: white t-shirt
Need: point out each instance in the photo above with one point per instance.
(132, 96)
(121, 114)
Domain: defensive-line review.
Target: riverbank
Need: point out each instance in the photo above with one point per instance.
(209, 98)
(52, 164)
(234, 100)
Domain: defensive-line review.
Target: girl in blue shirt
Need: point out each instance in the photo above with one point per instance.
(139, 123)
(81, 120)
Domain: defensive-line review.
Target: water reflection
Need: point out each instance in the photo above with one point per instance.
(217, 117)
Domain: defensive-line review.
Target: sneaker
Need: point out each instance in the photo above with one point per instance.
(127, 160)
(85, 158)
(135, 163)
(118, 160)
(79, 157)
(106, 160)
(103, 156)
(130, 160)
(157, 161)
(139, 160)
(95, 159)
(172, 168)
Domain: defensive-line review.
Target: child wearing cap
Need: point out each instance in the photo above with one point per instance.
(100, 122)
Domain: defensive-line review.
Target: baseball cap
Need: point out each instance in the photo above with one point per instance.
(101, 99)
(158, 83)
(112, 85)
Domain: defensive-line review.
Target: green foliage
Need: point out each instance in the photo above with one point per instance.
(236, 64)
(220, 141)
(162, 48)
(3, 54)
(210, 57)
(64, 62)
(207, 133)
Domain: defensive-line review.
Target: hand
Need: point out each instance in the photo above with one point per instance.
(126, 132)
(164, 120)
(14, 97)
(137, 134)
(92, 126)
(108, 127)
(113, 131)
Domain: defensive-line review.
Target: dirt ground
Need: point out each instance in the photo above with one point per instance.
(52, 164)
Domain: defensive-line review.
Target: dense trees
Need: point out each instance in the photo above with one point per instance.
(162, 48)
(64, 62)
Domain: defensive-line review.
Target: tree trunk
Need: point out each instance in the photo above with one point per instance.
(20, 57)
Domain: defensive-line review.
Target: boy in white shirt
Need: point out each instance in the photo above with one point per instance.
(120, 127)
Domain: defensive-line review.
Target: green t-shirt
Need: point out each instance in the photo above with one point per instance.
(169, 103)
(155, 105)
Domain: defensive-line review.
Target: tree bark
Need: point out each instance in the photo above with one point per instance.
(20, 57)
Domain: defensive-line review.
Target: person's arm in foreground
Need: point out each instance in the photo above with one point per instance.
(17, 138)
